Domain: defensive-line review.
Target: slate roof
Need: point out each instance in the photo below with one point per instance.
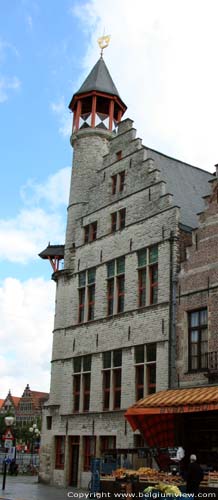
(99, 79)
(52, 251)
(187, 183)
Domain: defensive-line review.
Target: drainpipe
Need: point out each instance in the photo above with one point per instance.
(172, 314)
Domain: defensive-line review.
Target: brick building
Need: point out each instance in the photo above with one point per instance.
(130, 214)
(30, 406)
(27, 408)
(197, 313)
(9, 404)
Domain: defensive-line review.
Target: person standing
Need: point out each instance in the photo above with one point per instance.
(194, 476)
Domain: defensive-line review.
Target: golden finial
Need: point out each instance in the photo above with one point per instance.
(103, 42)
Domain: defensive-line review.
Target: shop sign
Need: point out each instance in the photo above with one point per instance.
(189, 408)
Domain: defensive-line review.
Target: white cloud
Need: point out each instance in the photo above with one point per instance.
(64, 116)
(55, 190)
(26, 311)
(162, 57)
(24, 236)
(6, 85)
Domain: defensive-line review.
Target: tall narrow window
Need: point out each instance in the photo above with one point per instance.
(139, 371)
(120, 283)
(198, 339)
(151, 367)
(148, 276)
(112, 373)
(114, 183)
(81, 383)
(113, 222)
(93, 234)
(86, 308)
(142, 287)
(59, 452)
(82, 290)
(153, 272)
(91, 294)
(110, 296)
(117, 374)
(76, 390)
(120, 293)
(122, 218)
(86, 234)
(115, 294)
(121, 181)
(106, 389)
(86, 391)
(89, 451)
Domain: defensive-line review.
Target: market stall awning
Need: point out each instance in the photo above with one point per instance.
(154, 416)
(175, 401)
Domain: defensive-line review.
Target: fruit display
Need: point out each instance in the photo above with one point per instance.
(147, 474)
(156, 478)
(166, 489)
(213, 479)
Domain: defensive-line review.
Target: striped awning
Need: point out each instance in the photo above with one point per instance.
(176, 401)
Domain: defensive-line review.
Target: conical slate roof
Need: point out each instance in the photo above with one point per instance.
(99, 79)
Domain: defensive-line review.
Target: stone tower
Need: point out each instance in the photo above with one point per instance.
(97, 109)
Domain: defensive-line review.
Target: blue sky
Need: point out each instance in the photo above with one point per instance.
(163, 59)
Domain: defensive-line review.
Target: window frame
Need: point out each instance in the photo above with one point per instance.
(90, 232)
(60, 452)
(88, 440)
(121, 181)
(114, 184)
(198, 328)
(122, 219)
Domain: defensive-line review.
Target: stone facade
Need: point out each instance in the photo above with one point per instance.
(152, 220)
(198, 290)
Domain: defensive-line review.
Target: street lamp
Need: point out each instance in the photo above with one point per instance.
(8, 442)
(35, 433)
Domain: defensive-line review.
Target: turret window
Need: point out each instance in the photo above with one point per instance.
(90, 232)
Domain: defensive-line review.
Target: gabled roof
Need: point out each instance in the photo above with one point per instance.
(15, 400)
(99, 79)
(1, 402)
(39, 397)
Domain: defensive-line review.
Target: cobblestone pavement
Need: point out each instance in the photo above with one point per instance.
(27, 488)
